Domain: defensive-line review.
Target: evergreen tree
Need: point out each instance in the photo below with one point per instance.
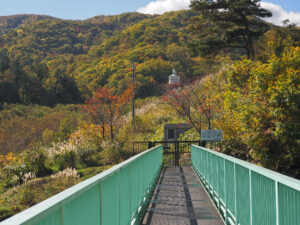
(227, 24)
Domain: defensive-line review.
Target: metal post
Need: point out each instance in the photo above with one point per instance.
(133, 149)
(176, 154)
(133, 95)
(101, 205)
(225, 193)
(62, 215)
(119, 222)
(250, 184)
(277, 206)
(235, 195)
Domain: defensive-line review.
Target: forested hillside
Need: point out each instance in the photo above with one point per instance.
(46, 60)
(65, 91)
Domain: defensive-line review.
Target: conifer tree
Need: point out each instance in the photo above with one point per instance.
(227, 24)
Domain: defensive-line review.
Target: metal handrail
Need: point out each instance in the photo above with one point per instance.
(46, 208)
(245, 193)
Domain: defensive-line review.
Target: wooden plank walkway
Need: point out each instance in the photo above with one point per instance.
(180, 199)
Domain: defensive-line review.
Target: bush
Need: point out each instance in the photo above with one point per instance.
(5, 212)
(67, 159)
(112, 152)
(35, 161)
(28, 197)
(89, 157)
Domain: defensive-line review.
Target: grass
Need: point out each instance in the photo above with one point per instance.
(34, 191)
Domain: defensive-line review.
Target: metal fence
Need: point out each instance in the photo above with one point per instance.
(247, 194)
(115, 197)
(176, 153)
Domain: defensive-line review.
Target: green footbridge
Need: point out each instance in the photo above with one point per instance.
(241, 194)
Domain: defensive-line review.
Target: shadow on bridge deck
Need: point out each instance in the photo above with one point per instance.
(179, 198)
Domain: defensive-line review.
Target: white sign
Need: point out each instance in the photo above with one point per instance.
(211, 135)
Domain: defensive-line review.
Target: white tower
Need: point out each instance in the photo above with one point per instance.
(174, 78)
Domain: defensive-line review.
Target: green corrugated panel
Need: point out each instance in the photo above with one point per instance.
(214, 171)
(207, 167)
(145, 176)
(140, 179)
(198, 161)
(289, 205)
(193, 158)
(84, 209)
(52, 219)
(110, 200)
(221, 178)
(147, 173)
(202, 162)
(210, 172)
(230, 189)
(134, 187)
(263, 200)
(242, 195)
(206, 170)
(125, 192)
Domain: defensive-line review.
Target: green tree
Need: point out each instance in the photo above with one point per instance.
(228, 24)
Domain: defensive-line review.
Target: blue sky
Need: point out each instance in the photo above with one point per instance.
(290, 5)
(82, 9)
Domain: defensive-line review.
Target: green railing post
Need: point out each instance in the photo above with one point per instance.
(250, 188)
(100, 200)
(235, 206)
(276, 195)
(225, 194)
(62, 216)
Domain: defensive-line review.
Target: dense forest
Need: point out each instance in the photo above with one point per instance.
(48, 61)
(65, 92)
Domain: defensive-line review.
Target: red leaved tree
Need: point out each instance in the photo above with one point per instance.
(194, 101)
(107, 109)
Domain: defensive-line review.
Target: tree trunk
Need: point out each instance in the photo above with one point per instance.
(111, 132)
(251, 48)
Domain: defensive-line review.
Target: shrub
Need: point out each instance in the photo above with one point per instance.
(112, 152)
(28, 197)
(5, 212)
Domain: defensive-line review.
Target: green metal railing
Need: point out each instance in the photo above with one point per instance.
(247, 194)
(115, 197)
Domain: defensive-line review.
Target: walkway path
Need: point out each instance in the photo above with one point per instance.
(180, 199)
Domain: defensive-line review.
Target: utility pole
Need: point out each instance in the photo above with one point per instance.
(133, 95)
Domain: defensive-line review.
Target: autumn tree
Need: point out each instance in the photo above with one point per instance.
(227, 24)
(196, 100)
(107, 109)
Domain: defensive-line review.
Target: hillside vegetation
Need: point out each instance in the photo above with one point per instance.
(48, 61)
(65, 93)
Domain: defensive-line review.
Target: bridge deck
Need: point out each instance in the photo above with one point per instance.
(179, 198)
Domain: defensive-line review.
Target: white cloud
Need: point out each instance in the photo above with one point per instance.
(162, 6)
(279, 14)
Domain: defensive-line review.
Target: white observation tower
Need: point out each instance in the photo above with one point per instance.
(174, 78)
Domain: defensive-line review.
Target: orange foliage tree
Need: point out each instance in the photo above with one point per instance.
(194, 101)
(107, 109)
